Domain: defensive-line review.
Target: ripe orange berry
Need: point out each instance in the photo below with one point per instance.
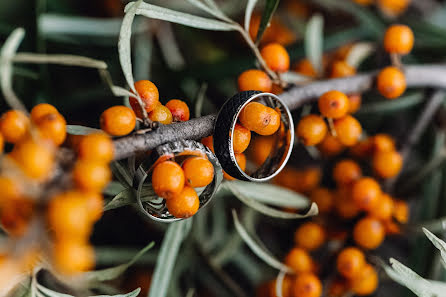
(348, 130)
(369, 233)
(2, 144)
(341, 69)
(306, 68)
(383, 209)
(401, 211)
(366, 193)
(299, 260)
(34, 159)
(95, 205)
(41, 110)
(14, 125)
(149, 96)
(96, 147)
(185, 204)
(10, 189)
(307, 285)
(391, 82)
(309, 179)
(198, 172)
(309, 236)
(363, 149)
(91, 175)
(333, 104)
(260, 118)
(261, 148)
(354, 103)
(52, 127)
(398, 39)
(393, 7)
(330, 146)
(241, 161)
(323, 198)
(350, 262)
(118, 120)
(71, 257)
(366, 281)
(161, 114)
(209, 142)
(16, 215)
(254, 80)
(311, 129)
(276, 57)
(344, 205)
(346, 172)
(387, 164)
(275, 32)
(241, 139)
(383, 143)
(168, 179)
(179, 109)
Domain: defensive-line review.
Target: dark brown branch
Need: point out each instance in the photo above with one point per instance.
(416, 76)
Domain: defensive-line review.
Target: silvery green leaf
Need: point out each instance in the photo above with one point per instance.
(68, 60)
(50, 293)
(169, 47)
(124, 198)
(314, 36)
(212, 9)
(390, 106)
(358, 53)
(292, 77)
(279, 283)
(267, 15)
(113, 188)
(257, 248)
(200, 99)
(122, 174)
(248, 13)
(438, 243)
(81, 130)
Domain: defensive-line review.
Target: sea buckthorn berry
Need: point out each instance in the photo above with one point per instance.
(363, 149)
(338, 288)
(14, 125)
(96, 147)
(366, 193)
(330, 146)
(91, 175)
(34, 159)
(323, 198)
(261, 148)
(2, 143)
(346, 172)
(341, 69)
(354, 103)
(41, 110)
(383, 143)
(387, 164)
(68, 216)
(241, 139)
(344, 205)
(308, 178)
(391, 82)
(384, 209)
(184, 204)
(260, 118)
(350, 262)
(71, 257)
(241, 161)
(401, 211)
(16, 215)
(306, 68)
(52, 127)
(10, 189)
(299, 260)
(333, 104)
(118, 120)
(198, 172)
(309, 236)
(95, 205)
(348, 130)
(311, 129)
(393, 7)
(307, 285)
(161, 114)
(369, 233)
(149, 95)
(168, 179)
(275, 32)
(254, 80)
(391, 227)
(179, 109)
(398, 39)
(209, 142)
(366, 281)
(276, 57)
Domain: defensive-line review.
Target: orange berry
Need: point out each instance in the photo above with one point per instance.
(91, 175)
(350, 262)
(52, 127)
(184, 204)
(346, 172)
(96, 147)
(95, 205)
(241, 139)
(323, 198)
(383, 143)
(14, 125)
(393, 7)
(10, 189)
(299, 260)
(401, 211)
(149, 96)
(276, 57)
(344, 205)
(341, 69)
(260, 118)
(391, 82)
(348, 130)
(330, 146)
(366, 282)
(306, 68)
(168, 179)
(308, 178)
(391, 227)
(16, 215)
(241, 161)
(2, 144)
(34, 159)
(354, 103)
(311, 129)
(261, 148)
(309, 236)
(366, 193)
(118, 120)
(333, 104)
(387, 164)
(209, 142)
(161, 114)
(41, 110)
(254, 80)
(71, 257)
(369, 233)
(179, 109)
(275, 32)
(362, 149)
(307, 285)
(338, 288)
(198, 172)
(398, 39)
(383, 209)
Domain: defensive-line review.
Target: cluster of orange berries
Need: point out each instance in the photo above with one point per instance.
(177, 183)
(391, 8)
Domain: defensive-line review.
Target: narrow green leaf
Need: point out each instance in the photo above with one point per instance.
(294, 77)
(81, 130)
(122, 174)
(50, 293)
(279, 283)
(313, 42)
(267, 15)
(211, 9)
(248, 13)
(124, 198)
(200, 100)
(68, 60)
(390, 106)
(438, 243)
(359, 52)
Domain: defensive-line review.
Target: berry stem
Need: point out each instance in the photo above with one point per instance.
(396, 60)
